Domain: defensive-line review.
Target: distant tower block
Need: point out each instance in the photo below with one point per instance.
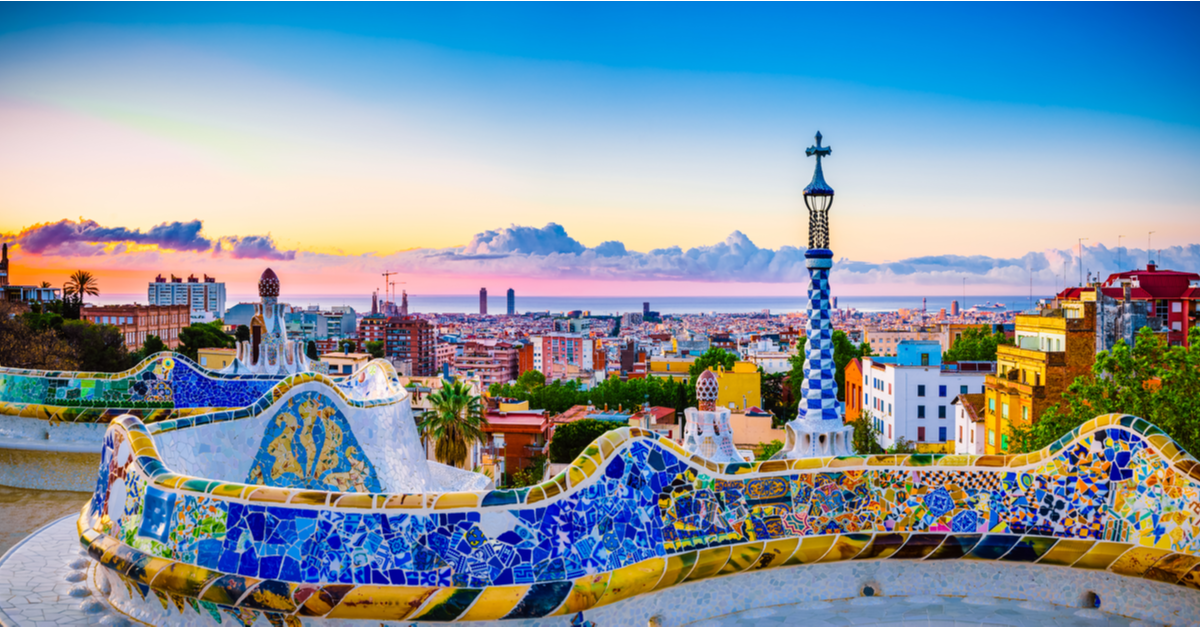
(646, 309)
(818, 430)
(707, 432)
(483, 301)
(403, 302)
(512, 302)
(953, 308)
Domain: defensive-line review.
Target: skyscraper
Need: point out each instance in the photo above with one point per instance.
(512, 302)
(818, 430)
(483, 301)
(953, 308)
(646, 309)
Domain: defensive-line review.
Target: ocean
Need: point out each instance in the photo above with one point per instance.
(606, 305)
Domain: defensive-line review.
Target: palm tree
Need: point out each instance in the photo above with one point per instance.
(454, 421)
(45, 284)
(82, 283)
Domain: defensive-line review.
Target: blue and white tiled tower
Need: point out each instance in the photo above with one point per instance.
(818, 429)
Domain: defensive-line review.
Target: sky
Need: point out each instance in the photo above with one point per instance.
(599, 149)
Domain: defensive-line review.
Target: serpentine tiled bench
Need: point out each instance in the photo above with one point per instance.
(632, 515)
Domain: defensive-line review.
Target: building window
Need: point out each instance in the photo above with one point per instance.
(941, 434)
(1025, 414)
(1004, 411)
(991, 404)
(991, 437)
(942, 391)
(1004, 442)
(920, 390)
(920, 411)
(962, 389)
(960, 434)
(941, 411)
(920, 434)
(924, 359)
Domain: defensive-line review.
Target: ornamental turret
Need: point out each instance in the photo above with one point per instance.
(269, 351)
(818, 429)
(707, 431)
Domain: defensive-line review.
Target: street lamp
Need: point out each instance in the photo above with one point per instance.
(818, 197)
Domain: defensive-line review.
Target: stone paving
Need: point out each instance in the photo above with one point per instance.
(920, 611)
(42, 580)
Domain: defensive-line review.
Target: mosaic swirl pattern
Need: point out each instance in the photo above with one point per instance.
(633, 514)
(163, 387)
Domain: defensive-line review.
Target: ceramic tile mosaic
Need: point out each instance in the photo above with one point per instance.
(162, 386)
(633, 514)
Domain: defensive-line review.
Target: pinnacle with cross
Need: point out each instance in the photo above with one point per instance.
(818, 186)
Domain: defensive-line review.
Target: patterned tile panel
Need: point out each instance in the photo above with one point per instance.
(644, 516)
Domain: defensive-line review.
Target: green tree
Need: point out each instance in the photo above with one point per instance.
(82, 283)
(976, 344)
(711, 358)
(310, 350)
(767, 450)
(23, 346)
(454, 421)
(375, 349)
(866, 435)
(98, 347)
(530, 475)
(242, 334)
(901, 447)
(203, 335)
(531, 379)
(772, 397)
(346, 346)
(570, 439)
(152, 345)
(1149, 380)
(843, 351)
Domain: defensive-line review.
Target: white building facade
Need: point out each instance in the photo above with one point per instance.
(968, 424)
(205, 298)
(909, 396)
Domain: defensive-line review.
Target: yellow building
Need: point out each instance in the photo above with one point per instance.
(740, 387)
(345, 363)
(1051, 349)
(674, 368)
(216, 358)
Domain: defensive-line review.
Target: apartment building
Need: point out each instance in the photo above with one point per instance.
(495, 362)
(205, 298)
(1052, 347)
(909, 395)
(405, 340)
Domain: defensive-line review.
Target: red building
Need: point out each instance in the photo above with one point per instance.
(524, 434)
(1176, 297)
(137, 322)
(405, 338)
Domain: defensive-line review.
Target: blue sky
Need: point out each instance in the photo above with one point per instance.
(992, 130)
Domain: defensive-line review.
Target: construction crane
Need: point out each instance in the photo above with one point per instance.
(386, 277)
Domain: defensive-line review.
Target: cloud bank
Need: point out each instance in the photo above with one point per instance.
(550, 252)
(85, 238)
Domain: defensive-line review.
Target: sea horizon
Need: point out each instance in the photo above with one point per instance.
(609, 305)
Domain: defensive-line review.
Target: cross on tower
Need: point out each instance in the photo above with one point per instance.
(819, 150)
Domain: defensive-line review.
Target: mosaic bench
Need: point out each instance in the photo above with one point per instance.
(632, 515)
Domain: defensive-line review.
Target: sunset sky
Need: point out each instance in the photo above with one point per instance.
(596, 149)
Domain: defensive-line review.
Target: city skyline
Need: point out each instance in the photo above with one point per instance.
(648, 153)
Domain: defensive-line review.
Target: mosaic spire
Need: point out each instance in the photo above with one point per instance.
(818, 428)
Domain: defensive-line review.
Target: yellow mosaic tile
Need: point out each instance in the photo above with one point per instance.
(380, 602)
(633, 580)
(584, 594)
(709, 562)
(776, 552)
(1067, 552)
(811, 549)
(678, 568)
(1136, 561)
(495, 602)
(1101, 555)
(742, 556)
(455, 500)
